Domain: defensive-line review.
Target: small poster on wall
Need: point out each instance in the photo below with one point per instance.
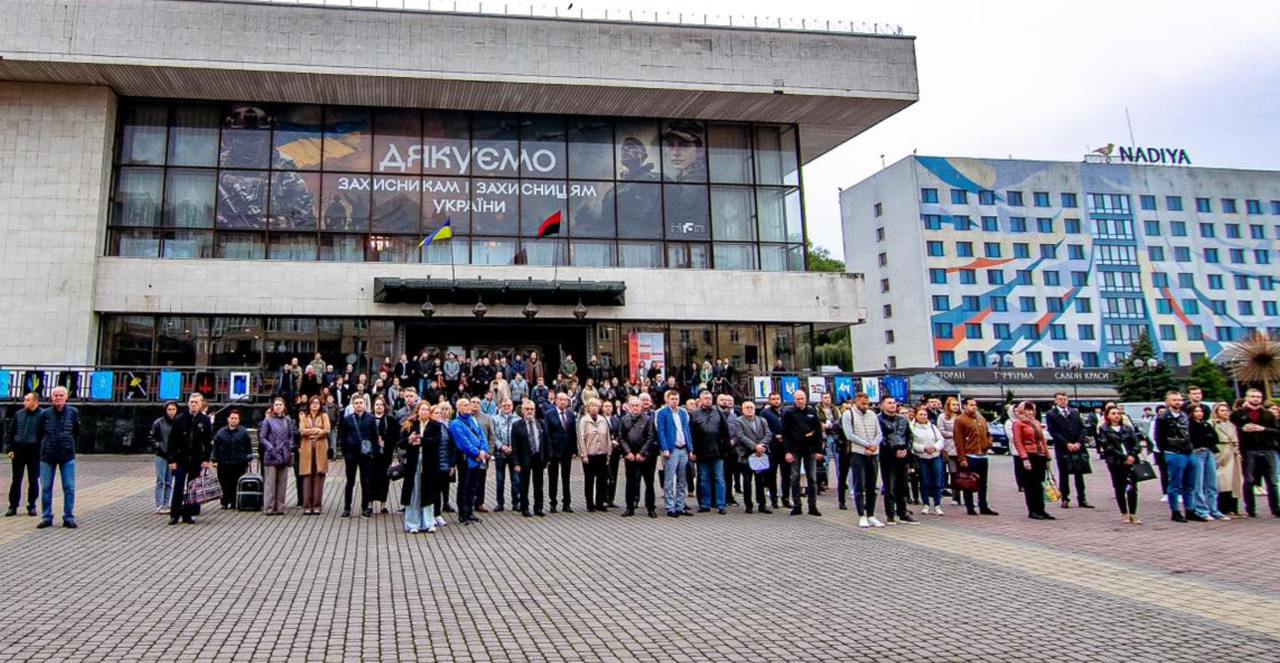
(762, 385)
(238, 386)
(170, 386)
(844, 389)
(102, 384)
(790, 385)
(817, 387)
(871, 387)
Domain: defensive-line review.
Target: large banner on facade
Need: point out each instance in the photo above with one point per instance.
(646, 350)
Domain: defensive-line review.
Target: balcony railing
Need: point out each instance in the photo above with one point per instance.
(572, 11)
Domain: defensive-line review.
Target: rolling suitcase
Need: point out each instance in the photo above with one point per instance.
(249, 490)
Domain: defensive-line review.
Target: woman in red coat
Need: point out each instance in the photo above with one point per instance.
(1033, 453)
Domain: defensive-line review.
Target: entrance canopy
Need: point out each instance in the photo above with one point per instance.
(498, 291)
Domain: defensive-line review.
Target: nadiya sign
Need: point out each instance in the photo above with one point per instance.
(1169, 156)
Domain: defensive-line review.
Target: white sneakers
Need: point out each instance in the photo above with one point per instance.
(937, 510)
(932, 510)
(874, 521)
(927, 510)
(440, 522)
(863, 522)
(431, 530)
(411, 530)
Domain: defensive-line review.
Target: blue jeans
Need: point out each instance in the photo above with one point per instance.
(1204, 478)
(931, 474)
(164, 483)
(711, 474)
(1181, 481)
(674, 488)
(502, 466)
(68, 471)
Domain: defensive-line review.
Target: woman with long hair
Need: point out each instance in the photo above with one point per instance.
(380, 461)
(275, 437)
(313, 455)
(947, 426)
(1118, 444)
(420, 437)
(1033, 454)
(927, 446)
(1230, 477)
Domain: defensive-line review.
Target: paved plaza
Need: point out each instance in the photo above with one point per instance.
(244, 587)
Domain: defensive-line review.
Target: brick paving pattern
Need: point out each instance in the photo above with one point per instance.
(243, 587)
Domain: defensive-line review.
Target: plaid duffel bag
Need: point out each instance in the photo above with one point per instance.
(203, 489)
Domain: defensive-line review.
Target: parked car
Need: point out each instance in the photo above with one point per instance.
(999, 437)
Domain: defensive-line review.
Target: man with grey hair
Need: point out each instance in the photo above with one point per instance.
(58, 431)
(503, 462)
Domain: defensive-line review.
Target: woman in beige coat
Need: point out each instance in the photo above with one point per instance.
(313, 456)
(1230, 476)
(594, 447)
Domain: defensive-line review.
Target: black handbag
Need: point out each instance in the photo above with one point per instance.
(395, 472)
(1078, 463)
(1142, 471)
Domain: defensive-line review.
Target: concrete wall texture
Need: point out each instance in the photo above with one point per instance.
(55, 146)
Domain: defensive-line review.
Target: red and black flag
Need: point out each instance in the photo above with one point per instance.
(551, 226)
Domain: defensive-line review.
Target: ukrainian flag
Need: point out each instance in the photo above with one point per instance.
(442, 233)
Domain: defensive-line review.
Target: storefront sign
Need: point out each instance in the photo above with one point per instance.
(449, 158)
(1022, 375)
(1171, 156)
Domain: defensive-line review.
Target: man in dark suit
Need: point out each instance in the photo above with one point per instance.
(1068, 431)
(562, 446)
(529, 452)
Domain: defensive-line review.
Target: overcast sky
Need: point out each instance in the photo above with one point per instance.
(1048, 79)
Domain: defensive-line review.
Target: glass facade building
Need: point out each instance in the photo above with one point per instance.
(256, 181)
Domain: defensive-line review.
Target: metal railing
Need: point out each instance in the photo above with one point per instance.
(582, 12)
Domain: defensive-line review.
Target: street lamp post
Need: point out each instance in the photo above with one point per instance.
(1150, 364)
(1074, 365)
(997, 360)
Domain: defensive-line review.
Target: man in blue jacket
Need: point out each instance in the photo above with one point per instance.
(23, 448)
(58, 431)
(359, 434)
(675, 439)
(474, 446)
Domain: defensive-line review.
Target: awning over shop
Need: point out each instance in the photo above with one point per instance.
(931, 384)
(498, 291)
(1040, 391)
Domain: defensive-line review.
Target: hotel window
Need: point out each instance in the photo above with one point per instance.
(1027, 304)
(968, 277)
(1031, 331)
(1266, 283)
(1262, 256)
(883, 258)
(1191, 306)
(1089, 359)
(892, 361)
(1014, 198)
(1178, 228)
(1203, 205)
(946, 358)
(877, 209)
(1147, 202)
(1173, 203)
(1197, 356)
(1186, 280)
(1040, 198)
(1053, 304)
(1195, 333)
(1256, 231)
(1224, 333)
(1023, 277)
(879, 234)
(1269, 308)
(973, 330)
(941, 303)
(962, 222)
(1245, 308)
(1075, 251)
(1275, 207)
(1079, 279)
(999, 304)
(1044, 224)
(964, 249)
(1159, 280)
(1084, 305)
(1000, 331)
(1071, 225)
(935, 249)
(1237, 256)
(1211, 256)
(1021, 250)
(970, 303)
(1085, 332)
(942, 330)
(1228, 205)
(888, 337)
(932, 222)
(928, 195)
(1233, 231)
(1108, 203)
(884, 285)
(977, 359)
(1215, 281)
(1018, 224)
(1241, 281)
(1049, 251)
(1181, 254)
(959, 197)
(1151, 227)
(1155, 253)
(990, 224)
(1069, 201)
(1052, 277)
(986, 197)
(1207, 230)
(1171, 358)
(888, 310)
(1058, 332)
(995, 277)
(1167, 333)
(991, 249)
(937, 276)
(1034, 360)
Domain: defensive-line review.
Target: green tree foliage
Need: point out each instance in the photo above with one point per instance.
(832, 347)
(1143, 384)
(1212, 380)
(821, 260)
